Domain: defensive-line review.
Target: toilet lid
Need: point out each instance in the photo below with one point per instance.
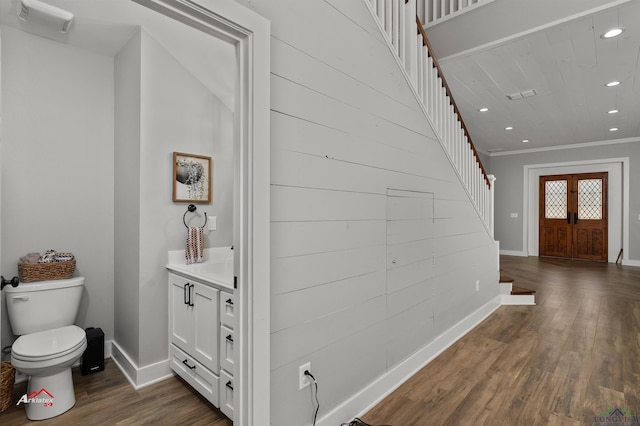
(48, 344)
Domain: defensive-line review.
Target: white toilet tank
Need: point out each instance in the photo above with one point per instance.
(43, 305)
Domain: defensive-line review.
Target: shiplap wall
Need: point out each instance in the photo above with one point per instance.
(345, 129)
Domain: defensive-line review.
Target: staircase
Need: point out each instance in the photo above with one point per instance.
(400, 22)
(405, 36)
(514, 295)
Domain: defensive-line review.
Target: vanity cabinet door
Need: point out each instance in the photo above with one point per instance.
(205, 326)
(193, 320)
(180, 321)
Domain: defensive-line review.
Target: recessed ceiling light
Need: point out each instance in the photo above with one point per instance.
(613, 129)
(483, 109)
(612, 33)
(613, 111)
(525, 140)
(509, 128)
(612, 83)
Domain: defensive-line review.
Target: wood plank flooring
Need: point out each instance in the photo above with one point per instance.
(562, 362)
(107, 398)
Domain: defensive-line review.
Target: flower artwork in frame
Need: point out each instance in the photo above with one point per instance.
(191, 178)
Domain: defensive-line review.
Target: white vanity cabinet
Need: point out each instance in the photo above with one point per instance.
(201, 330)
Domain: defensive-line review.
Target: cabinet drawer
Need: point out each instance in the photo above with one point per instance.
(194, 373)
(226, 394)
(227, 315)
(226, 349)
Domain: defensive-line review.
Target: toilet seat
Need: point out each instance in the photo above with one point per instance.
(48, 344)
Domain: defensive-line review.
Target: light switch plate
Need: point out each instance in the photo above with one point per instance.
(213, 223)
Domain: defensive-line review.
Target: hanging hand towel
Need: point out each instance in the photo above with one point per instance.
(195, 244)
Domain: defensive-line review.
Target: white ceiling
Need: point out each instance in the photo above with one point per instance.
(553, 47)
(105, 26)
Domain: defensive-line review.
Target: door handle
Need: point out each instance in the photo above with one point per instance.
(229, 338)
(184, 292)
(569, 218)
(575, 218)
(191, 286)
(229, 385)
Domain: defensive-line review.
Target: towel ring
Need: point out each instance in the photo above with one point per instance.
(190, 209)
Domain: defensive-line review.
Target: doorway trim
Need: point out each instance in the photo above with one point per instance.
(250, 33)
(618, 169)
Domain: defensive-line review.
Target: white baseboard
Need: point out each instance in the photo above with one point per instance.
(514, 253)
(370, 396)
(518, 299)
(140, 377)
(631, 262)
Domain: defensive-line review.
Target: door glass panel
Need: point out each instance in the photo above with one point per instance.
(555, 199)
(590, 199)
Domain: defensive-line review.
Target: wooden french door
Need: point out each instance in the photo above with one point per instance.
(573, 216)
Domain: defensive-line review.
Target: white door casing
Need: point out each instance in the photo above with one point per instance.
(250, 34)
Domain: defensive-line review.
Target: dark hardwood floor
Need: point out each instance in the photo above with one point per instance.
(570, 358)
(107, 398)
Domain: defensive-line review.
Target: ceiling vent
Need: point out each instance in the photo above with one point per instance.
(520, 95)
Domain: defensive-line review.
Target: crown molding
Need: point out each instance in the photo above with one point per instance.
(561, 147)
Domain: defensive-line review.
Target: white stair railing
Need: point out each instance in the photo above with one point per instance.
(406, 38)
(432, 12)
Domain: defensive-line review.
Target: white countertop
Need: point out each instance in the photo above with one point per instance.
(217, 268)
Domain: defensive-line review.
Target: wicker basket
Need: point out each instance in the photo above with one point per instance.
(30, 272)
(7, 377)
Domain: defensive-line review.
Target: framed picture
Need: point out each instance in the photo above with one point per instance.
(191, 178)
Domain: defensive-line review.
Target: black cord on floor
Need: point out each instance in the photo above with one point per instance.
(315, 415)
(358, 422)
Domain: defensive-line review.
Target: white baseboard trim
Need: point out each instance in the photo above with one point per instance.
(514, 253)
(370, 396)
(140, 377)
(631, 262)
(518, 299)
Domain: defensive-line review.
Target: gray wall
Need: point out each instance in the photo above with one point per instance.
(57, 164)
(345, 128)
(162, 112)
(509, 170)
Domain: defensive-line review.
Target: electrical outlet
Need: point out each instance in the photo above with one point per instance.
(303, 379)
(213, 223)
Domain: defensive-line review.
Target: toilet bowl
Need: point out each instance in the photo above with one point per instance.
(49, 344)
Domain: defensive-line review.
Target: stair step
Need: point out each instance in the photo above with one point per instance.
(521, 290)
(505, 279)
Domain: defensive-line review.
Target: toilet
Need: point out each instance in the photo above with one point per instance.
(43, 315)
